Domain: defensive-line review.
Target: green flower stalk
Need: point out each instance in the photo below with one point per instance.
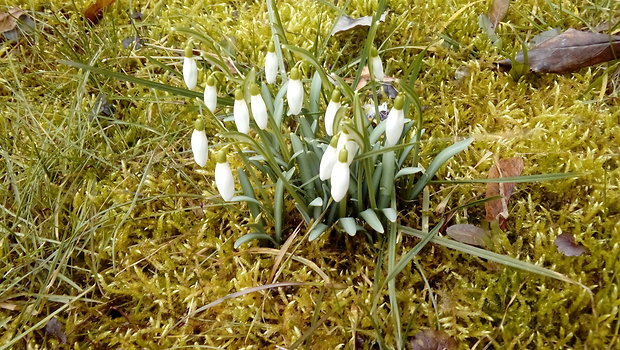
(340, 176)
(376, 64)
(224, 180)
(241, 113)
(210, 94)
(330, 113)
(200, 143)
(295, 92)
(271, 64)
(259, 109)
(190, 69)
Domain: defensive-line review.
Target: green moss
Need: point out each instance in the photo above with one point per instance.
(115, 206)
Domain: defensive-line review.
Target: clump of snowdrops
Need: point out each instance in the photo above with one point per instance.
(333, 154)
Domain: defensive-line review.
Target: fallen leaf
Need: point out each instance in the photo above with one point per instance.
(432, 340)
(14, 23)
(568, 246)
(133, 42)
(498, 209)
(54, 328)
(346, 23)
(94, 12)
(468, 234)
(497, 12)
(544, 36)
(569, 52)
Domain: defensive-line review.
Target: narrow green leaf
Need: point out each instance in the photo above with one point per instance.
(371, 218)
(348, 225)
(317, 231)
(514, 179)
(408, 171)
(252, 236)
(278, 209)
(390, 214)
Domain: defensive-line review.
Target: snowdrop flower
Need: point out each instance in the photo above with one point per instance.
(329, 158)
(330, 113)
(241, 113)
(259, 110)
(271, 64)
(190, 70)
(295, 92)
(376, 65)
(345, 142)
(224, 177)
(200, 144)
(210, 94)
(395, 122)
(340, 176)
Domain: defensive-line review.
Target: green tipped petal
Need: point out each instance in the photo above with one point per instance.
(199, 124)
(254, 90)
(334, 141)
(271, 48)
(343, 156)
(399, 103)
(374, 52)
(238, 94)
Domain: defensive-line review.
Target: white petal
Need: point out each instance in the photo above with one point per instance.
(271, 67)
(377, 68)
(330, 115)
(295, 96)
(259, 111)
(328, 161)
(224, 181)
(340, 181)
(190, 72)
(394, 126)
(242, 116)
(210, 96)
(200, 147)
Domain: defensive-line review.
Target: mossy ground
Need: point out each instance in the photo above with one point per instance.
(109, 223)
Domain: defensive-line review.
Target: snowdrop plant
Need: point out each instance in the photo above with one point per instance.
(295, 92)
(224, 177)
(190, 69)
(376, 65)
(210, 94)
(241, 114)
(259, 109)
(330, 113)
(271, 64)
(200, 143)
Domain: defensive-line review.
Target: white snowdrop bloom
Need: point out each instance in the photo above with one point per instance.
(200, 143)
(376, 64)
(345, 142)
(329, 158)
(330, 113)
(340, 176)
(210, 94)
(223, 177)
(295, 92)
(395, 122)
(271, 64)
(259, 109)
(190, 69)
(241, 113)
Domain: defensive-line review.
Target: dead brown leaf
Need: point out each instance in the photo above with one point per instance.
(498, 209)
(14, 23)
(54, 328)
(432, 340)
(568, 246)
(8, 20)
(497, 12)
(569, 52)
(346, 23)
(468, 234)
(94, 12)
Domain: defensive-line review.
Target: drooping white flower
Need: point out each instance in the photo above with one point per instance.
(241, 113)
(271, 64)
(223, 177)
(329, 158)
(376, 65)
(395, 122)
(295, 92)
(340, 176)
(259, 109)
(210, 94)
(200, 143)
(190, 69)
(330, 112)
(344, 141)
